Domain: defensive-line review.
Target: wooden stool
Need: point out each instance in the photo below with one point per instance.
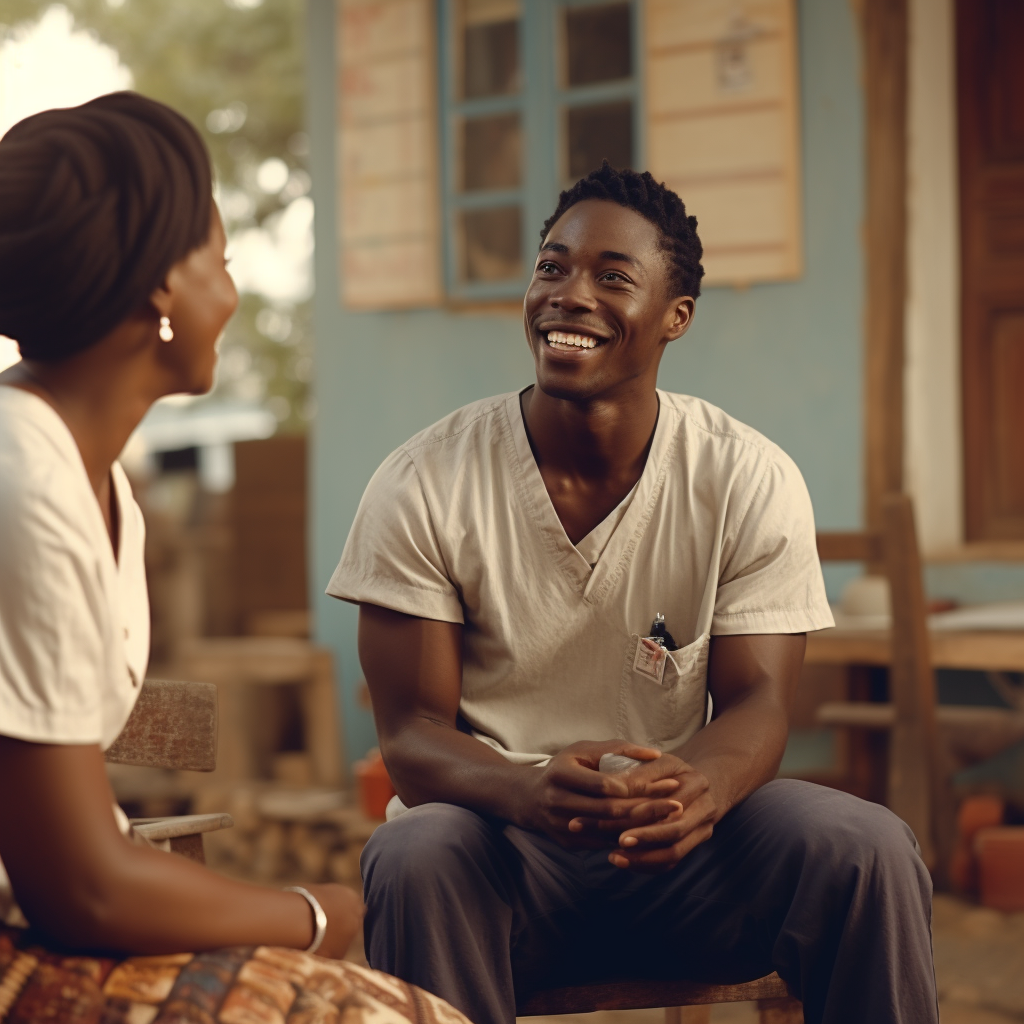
(235, 664)
(685, 1002)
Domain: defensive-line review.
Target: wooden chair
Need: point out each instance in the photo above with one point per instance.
(685, 1002)
(918, 787)
(173, 725)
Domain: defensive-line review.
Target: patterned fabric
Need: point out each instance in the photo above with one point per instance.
(229, 986)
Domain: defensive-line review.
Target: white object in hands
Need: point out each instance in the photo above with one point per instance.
(612, 764)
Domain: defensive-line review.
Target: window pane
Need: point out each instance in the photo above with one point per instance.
(490, 47)
(599, 45)
(491, 244)
(491, 152)
(603, 131)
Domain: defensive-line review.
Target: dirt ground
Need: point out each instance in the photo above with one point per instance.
(979, 964)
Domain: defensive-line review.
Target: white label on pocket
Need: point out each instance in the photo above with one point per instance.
(650, 659)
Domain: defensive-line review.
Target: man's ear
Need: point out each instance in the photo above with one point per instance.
(680, 316)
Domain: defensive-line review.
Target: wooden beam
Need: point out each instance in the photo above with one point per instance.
(885, 38)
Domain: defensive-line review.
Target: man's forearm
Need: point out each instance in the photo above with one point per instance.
(740, 750)
(429, 761)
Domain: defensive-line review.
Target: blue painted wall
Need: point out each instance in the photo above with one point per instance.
(784, 358)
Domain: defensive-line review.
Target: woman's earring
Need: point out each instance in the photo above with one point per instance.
(166, 334)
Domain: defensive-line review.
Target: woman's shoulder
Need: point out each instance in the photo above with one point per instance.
(42, 480)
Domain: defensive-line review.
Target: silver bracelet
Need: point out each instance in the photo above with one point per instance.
(319, 917)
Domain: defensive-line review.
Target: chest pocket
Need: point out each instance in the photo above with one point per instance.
(663, 706)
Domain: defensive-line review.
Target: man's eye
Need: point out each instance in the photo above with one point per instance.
(548, 268)
(612, 275)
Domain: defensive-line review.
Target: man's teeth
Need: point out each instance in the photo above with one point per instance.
(579, 340)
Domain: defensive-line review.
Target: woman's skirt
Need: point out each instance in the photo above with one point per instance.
(241, 985)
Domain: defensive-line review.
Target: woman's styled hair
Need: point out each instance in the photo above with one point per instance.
(97, 203)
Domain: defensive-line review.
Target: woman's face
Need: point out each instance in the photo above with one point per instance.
(203, 299)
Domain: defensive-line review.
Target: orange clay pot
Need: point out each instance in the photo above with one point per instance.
(974, 814)
(1000, 853)
(374, 784)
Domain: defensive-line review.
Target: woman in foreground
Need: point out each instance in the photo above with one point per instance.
(113, 282)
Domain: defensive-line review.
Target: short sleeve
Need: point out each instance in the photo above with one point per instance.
(392, 557)
(52, 660)
(770, 580)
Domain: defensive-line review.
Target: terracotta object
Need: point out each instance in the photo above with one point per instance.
(1000, 853)
(974, 814)
(375, 788)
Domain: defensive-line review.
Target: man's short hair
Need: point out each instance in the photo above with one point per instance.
(653, 201)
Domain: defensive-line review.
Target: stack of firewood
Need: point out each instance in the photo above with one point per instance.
(287, 834)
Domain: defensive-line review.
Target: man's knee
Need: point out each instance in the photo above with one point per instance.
(430, 843)
(830, 829)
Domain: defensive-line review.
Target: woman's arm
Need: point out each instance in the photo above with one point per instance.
(84, 885)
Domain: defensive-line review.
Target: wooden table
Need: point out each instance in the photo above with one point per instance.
(996, 651)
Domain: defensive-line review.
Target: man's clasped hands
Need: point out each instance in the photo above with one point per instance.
(651, 815)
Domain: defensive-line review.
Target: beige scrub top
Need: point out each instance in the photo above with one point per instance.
(74, 622)
(457, 525)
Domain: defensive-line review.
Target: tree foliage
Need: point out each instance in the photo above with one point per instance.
(235, 68)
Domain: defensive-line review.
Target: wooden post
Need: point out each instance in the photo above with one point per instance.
(918, 777)
(885, 37)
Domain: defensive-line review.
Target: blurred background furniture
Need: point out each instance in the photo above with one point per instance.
(926, 741)
(173, 725)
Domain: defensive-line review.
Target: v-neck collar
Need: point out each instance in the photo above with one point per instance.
(593, 584)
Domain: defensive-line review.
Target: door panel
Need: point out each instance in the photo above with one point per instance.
(990, 86)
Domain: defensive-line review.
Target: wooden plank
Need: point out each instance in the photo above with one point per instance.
(389, 223)
(173, 725)
(645, 994)
(157, 829)
(862, 714)
(885, 36)
(723, 130)
(917, 783)
(849, 547)
(986, 651)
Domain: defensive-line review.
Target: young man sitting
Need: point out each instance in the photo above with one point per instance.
(512, 564)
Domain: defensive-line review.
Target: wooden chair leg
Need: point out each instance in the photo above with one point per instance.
(780, 1011)
(687, 1015)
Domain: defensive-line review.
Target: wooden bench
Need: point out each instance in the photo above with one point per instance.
(684, 1002)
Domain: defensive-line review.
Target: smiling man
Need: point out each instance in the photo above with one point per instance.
(512, 564)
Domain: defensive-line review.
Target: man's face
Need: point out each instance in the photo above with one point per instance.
(599, 309)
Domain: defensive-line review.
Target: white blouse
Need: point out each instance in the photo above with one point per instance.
(74, 621)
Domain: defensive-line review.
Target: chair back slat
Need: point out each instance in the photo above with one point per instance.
(173, 725)
(850, 547)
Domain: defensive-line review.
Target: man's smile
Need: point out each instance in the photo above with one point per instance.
(567, 338)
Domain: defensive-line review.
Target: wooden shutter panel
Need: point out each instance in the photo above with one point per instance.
(722, 108)
(387, 152)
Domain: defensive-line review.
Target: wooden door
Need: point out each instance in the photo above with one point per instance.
(990, 72)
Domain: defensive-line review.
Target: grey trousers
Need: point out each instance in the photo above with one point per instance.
(824, 888)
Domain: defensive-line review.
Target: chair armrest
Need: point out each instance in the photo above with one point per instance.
(158, 829)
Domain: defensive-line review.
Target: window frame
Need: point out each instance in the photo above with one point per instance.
(543, 103)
